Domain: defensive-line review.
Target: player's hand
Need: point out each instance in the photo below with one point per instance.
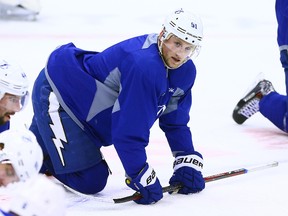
(147, 184)
(187, 173)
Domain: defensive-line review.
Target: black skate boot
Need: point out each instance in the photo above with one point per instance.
(249, 105)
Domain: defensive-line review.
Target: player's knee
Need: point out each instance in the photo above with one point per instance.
(89, 181)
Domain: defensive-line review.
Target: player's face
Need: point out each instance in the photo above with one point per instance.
(176, 51)
(9, 105)
(7, 174)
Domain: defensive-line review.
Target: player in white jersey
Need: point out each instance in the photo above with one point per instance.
(21, 156)
(13, 91)
(39, 196)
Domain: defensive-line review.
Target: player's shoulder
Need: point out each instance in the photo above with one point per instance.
(184, 75)
(148, 38)
(188, 67)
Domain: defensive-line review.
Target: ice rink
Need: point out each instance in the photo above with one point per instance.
(239, 42)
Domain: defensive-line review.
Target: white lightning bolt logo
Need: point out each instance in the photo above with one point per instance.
(56, 126)
(161, 109)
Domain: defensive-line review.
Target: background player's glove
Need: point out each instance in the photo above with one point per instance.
(147, 184)
(187, 173)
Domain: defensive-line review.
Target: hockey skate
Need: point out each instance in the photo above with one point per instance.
(249, 105)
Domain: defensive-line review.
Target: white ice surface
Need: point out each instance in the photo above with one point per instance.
(240, 41)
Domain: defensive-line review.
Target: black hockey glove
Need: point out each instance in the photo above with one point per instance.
(187, 173)
(147, 184)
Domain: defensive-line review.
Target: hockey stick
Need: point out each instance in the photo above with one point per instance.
(211, 178)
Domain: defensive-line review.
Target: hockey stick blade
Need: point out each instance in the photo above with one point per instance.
(211, 178)
(137, 195)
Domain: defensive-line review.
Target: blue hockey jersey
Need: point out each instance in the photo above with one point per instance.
(5, 126)
(117, 95)
(282, 19)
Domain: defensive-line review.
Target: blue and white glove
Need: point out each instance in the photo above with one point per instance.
(187, 173)
(147, 184)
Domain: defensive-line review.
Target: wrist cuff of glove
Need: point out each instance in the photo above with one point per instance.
(194, 161)
(146, 177)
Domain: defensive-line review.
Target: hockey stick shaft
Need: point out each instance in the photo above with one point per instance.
(239, 172)
(211, 178)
